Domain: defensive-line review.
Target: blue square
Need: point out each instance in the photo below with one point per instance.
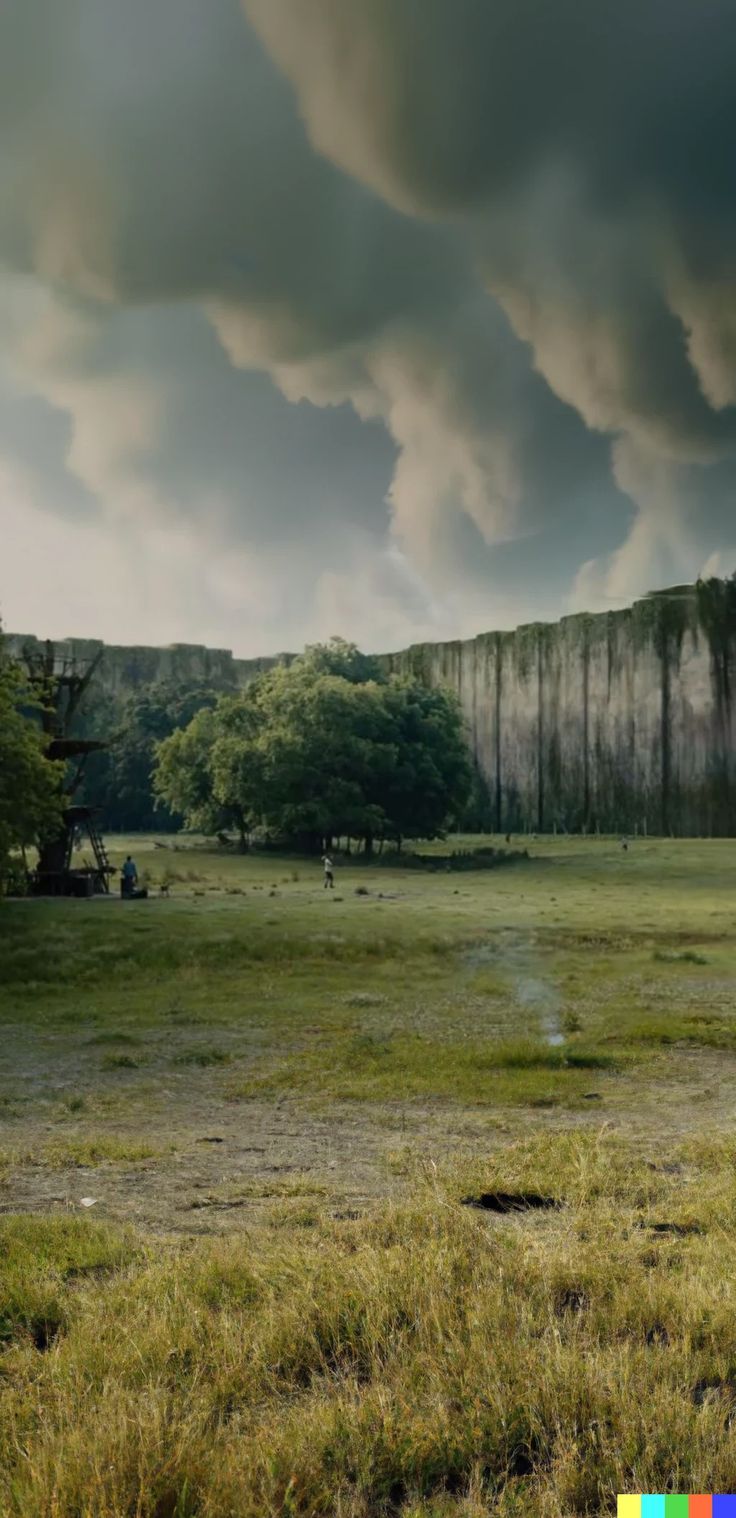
(652, 1506)
(724, 1506)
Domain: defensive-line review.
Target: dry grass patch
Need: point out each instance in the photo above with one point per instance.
(422, 1360)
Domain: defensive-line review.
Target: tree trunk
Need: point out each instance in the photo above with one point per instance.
(242, 830)
(369, 845)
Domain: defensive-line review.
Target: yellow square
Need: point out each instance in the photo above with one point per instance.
(629, 1507)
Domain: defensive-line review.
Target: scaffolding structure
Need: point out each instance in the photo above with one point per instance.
(59, 686)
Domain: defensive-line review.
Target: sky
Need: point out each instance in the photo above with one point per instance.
(393, 319)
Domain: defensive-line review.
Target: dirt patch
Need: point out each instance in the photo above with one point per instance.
(510, 1201)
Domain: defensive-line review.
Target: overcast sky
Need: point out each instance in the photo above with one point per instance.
(399, 319)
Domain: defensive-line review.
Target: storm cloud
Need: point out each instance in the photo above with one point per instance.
(397, 318)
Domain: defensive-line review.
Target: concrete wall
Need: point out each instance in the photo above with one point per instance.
(123, 671)
(623, 721)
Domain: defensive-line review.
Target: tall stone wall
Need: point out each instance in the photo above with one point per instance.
(623, 721)
(124, 671)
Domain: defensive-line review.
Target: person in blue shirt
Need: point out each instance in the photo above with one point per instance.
(128, 877)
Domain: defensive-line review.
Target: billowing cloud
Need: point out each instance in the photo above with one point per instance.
(382, 304)
(587, 155)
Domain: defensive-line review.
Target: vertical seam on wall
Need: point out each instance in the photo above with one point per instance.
(499, 678)
(586, 727)
(540, 736)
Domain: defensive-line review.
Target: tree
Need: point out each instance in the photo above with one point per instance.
(237, 760)
(476, 812)
(207, 772)
(122, 785)
(314, 753)
(432, 776)
(339, 657)
(30, 784)
(182, 778)
(324, 738)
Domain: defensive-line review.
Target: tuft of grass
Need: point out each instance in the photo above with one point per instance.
(572, 1022)
(235, 1193)
(679, 957)
(83, 1153)
(75, 1103)
(203, 1055)
(39, 1260)
(120, 1062)
(709, 1032)
(113, 1036)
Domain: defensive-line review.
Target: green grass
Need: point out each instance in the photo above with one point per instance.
(41, 1261)
(120, 1062)
(203, 1056)
(708, 1032)
(83, 1152)
(686, 957)
(407, 1068)
(329, 1080)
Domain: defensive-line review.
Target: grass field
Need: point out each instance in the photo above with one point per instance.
(280, 1100)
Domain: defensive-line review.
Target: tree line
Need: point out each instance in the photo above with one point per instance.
(327, 747)
(31, 798)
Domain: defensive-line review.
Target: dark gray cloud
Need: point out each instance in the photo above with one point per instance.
(359, 297)
(441, 106)
(591, 149)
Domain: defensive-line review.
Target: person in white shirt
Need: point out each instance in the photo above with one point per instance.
(329, 879)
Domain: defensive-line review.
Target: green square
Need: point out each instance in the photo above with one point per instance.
(676, 1506)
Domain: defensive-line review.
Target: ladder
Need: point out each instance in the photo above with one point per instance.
(104, 868)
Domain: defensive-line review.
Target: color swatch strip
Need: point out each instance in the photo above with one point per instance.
(674, 1505)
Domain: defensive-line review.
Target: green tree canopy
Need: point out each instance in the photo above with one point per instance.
(324, 738)
(321, 749)
(120, 781)
(30, 786)
(341, 658)
(209, 772)
(432, 776)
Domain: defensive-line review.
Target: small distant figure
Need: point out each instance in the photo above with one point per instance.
(163, 888)
(128, 877)
(508, 837)
(625, 845)
(329, 877)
